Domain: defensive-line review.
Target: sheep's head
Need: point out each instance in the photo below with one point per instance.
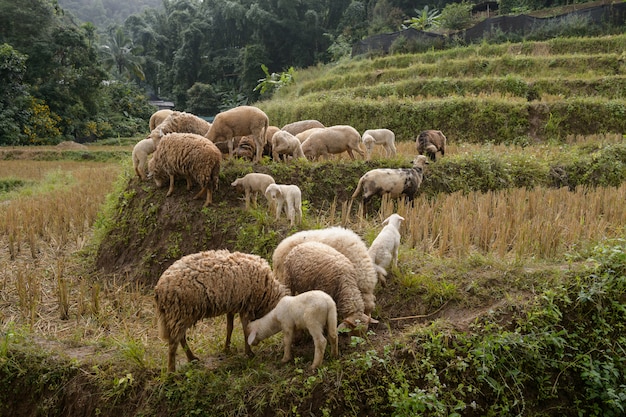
(420, 161)
(395, 219)
(272, 192)
(356, 324)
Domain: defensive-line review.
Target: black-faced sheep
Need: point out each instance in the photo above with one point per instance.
(158, 117)
(210, 284)
(141, 150)
(333, 140)
(240, 121)
(301, 125)
(187, 155)
(382, 137)
(318, 266)
(284, 143)
(429, 142)
(289, 196)
(344, 241)
(253, 184)
(392, 181)
(384, 248)
(312, 310)
(179, 122)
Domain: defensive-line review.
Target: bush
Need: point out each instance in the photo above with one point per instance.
(457, 16)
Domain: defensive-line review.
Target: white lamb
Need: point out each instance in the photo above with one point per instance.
(253, 183)
(141, 150)
(311, 310)
(281, 194)
(384, 249)
(383, 137)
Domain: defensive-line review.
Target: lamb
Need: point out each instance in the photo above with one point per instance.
(384, 249)
(240, 121)
(284, 143)
(392, 181)
(253, 183)
(158, 117)
(210, 284)
(333, 140)
(318, 266)
(179, 122)
(383, 137)
(311, 310)
(289, 194)
(188, 155)
(344, 241)
(141, 150)
(302, 125)
(429, 142)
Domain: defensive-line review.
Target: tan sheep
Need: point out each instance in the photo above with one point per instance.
(253, 184)
(240, 121)
(141, 150)
(301, 125)
(302, 136)
(158, 117)
(333, 140)
(429, 142)
(382, 137)
(188, 155)
(284, 143)
(210, 284)
(180, 122)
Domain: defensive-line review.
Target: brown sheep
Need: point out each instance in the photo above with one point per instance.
(429, 142)
(158, 117)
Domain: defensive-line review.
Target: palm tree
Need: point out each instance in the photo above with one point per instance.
(120, 54)
(425, 19)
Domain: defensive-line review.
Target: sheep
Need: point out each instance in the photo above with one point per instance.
(333, 140)
(253, 183)
(284, 143)
(384, 137)
(179, 122)
(289, 194)
(240, 121)
(344, 241)
(384, 248)
(210, 284)
(392, 181)
(158, 117)
(141, 150)
(318, 266)
(302, 136)
(267, 149)
(246, 148)
(301, 125)
(429, 142)
(188, 155)
(311, 310)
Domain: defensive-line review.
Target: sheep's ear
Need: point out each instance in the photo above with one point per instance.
(161, 133)
(385, 221)
(251, 337)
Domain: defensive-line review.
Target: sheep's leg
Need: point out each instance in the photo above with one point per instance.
(171, 356)
(258, 140)
(171, 189)
(230, 146)
(287, 341)
(189, 182)
(230, 318)
(320, 344)
(279, 208)
(333, 339)
(350, 153)
(247, 199)
(190, 356)
(291, 213)
(244, 322)
(209, 197)
(254, 197)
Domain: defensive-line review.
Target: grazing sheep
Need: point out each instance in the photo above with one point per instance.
(344, 241)
(383, 137)
(302, 136)
(253, 183)
(284, 143)
(141, 150)
(333, 140)
(240, 121)
(188, 155)
(302, 125)
(210, 284)
(179, 122)
(312, 310)
(246, 148)
(158, 117)
(384, 249)
(392, 181)
(289, 194)
(318, 266)
(429, 142)
(267, 149)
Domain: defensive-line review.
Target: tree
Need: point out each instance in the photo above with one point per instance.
(457, 16)
(119, 54)
(13, 95)
(425, 19)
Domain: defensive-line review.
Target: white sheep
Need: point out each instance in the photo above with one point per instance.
(179, 122)
(392, 181)
(188, 155)
(383, 137)
(318, 266)
(253, 184)
(429, 142)
(210, 284)
(333, 140)
(284, 143)
(384, 248)
(311, 310)
(240, 121)
(344, 241)
(287, 195)
(302, 136)
(141, 150)
(301, 125)
(158, 117)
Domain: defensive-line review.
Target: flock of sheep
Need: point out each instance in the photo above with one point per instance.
(319, 279)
